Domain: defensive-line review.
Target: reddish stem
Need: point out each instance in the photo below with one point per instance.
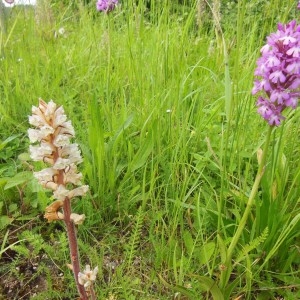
(71, 231)
(92, 293)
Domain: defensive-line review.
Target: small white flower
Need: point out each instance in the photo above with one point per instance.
(37, 120)
(88, 276)
(69, 150)
(61, 163)
(72, 152)
(79, 191)
(66, 128)
(36, 135)
(46, 175)
(72, 176)
(61, 140)
(38, 153)
(77, 219)
(61, 31)
(59, 117)
(61, 193)
(50, 110)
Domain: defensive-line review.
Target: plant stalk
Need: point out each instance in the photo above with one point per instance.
(225, 275)
(73, 245)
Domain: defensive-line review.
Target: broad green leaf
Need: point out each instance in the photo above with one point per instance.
(177, 288)
(141, 156)
(188, 242)
(113, 142)
(24, 156)
(206, 253)
(210, 286)
(4, 221)
(18, 179)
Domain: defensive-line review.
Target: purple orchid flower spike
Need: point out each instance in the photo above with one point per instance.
(278, 73)
(106, 5)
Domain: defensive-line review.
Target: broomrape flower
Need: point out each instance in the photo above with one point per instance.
(51, 139)
(87, 277)
(106, 5)
(278, 73)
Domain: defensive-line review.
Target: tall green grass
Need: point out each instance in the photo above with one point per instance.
(170, 168)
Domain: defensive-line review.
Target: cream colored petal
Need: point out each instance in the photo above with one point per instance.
(82, 278)
(72, 152)
(38, 153)
(37, 120)
(36, 135)
(61, 140)
(72, 176)
(59, 117)
(61, 163)
(42, 105)
(46, 175)
(77, 219)
(61, 193)
(80, 191)
(67, 128)
(88, 276)
(49, 112)
(51, 185)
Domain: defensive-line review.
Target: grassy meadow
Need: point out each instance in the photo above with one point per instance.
(159, 94)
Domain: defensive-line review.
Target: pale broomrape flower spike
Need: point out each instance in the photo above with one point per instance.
(51, 139)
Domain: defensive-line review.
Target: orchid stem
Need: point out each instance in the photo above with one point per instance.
(225, 275)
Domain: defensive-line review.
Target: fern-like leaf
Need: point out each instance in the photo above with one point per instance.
(252, 245)
(135, 238)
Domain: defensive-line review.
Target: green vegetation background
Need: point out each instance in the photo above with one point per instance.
(159, 94)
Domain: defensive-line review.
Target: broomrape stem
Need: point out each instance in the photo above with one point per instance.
(73, 245)
(92, 293)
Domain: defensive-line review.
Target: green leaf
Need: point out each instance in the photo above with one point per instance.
(206, 253)
(9, 139)
(178, 288)
(210, 286)
(18, 179)
(24, 156)
(4, 221)
(222, 248)
(2, 250)
(12, 207)
(113, 142)
(287, 279)
(252, 245)
(141, 156)
(188, 242)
